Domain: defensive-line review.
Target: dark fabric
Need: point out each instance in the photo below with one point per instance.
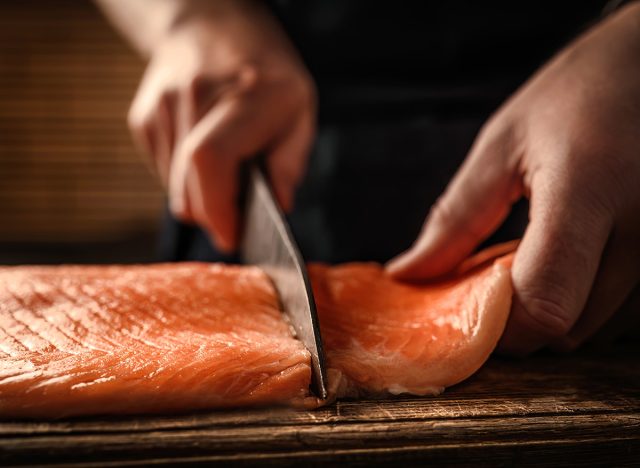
(404, 42)
(386, 59)
(404, 87)
(367, 191)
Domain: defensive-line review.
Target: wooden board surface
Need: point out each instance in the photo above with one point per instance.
(549, 409)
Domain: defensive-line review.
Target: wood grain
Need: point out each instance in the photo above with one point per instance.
(548, 409)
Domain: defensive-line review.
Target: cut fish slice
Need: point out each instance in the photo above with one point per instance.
(383, 336)
(141, 339)
(77, 340)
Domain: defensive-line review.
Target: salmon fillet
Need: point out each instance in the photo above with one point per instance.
(78, 340)
(140, 339)
(383, 336)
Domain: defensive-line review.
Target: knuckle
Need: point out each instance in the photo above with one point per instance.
(548, 315)
(244, 80)
(136, 119)
(251, 75)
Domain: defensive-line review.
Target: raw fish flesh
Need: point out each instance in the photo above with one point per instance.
(142, 339)
(383, 336)
(78, 340)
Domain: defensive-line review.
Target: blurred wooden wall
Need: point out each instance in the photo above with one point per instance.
(68, 170)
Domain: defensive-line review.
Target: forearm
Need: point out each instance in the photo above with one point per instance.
(142, 22)
(145, 23)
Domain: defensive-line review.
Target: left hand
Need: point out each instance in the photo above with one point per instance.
(569, 140)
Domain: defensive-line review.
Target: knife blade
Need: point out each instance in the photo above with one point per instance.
(268, 243)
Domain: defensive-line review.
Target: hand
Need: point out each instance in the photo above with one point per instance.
(224, 85)
(569, 140)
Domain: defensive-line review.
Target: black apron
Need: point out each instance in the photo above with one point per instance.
(404, 88)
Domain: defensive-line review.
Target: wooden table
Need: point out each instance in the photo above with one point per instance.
(548, 409)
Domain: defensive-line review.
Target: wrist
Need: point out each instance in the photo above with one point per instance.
(241, 29)
(218, 12)
(247, 23)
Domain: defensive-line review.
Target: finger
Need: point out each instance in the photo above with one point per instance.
(171, 118)
(201, 93)
(287, 160)
(192, 103)
(143, 133)
(164, 124)
(556, 263)
(201, 177)
(617, 276)
(204, 171)
(152, 123)
(141, 114)
(211, 198)
(153, 128)
(474, 204)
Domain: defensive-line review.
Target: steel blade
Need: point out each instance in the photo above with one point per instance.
(268, 243)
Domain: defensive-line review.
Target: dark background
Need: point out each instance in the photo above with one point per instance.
(72, 186)
(404, 88)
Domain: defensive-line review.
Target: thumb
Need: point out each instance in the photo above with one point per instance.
(474, 204)
(556, 263)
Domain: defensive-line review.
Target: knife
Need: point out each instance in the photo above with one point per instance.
(268, 243)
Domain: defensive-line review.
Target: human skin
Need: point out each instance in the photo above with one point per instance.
(223, 85)
(569, 141)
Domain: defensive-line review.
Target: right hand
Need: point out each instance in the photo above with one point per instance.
(224, 85)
